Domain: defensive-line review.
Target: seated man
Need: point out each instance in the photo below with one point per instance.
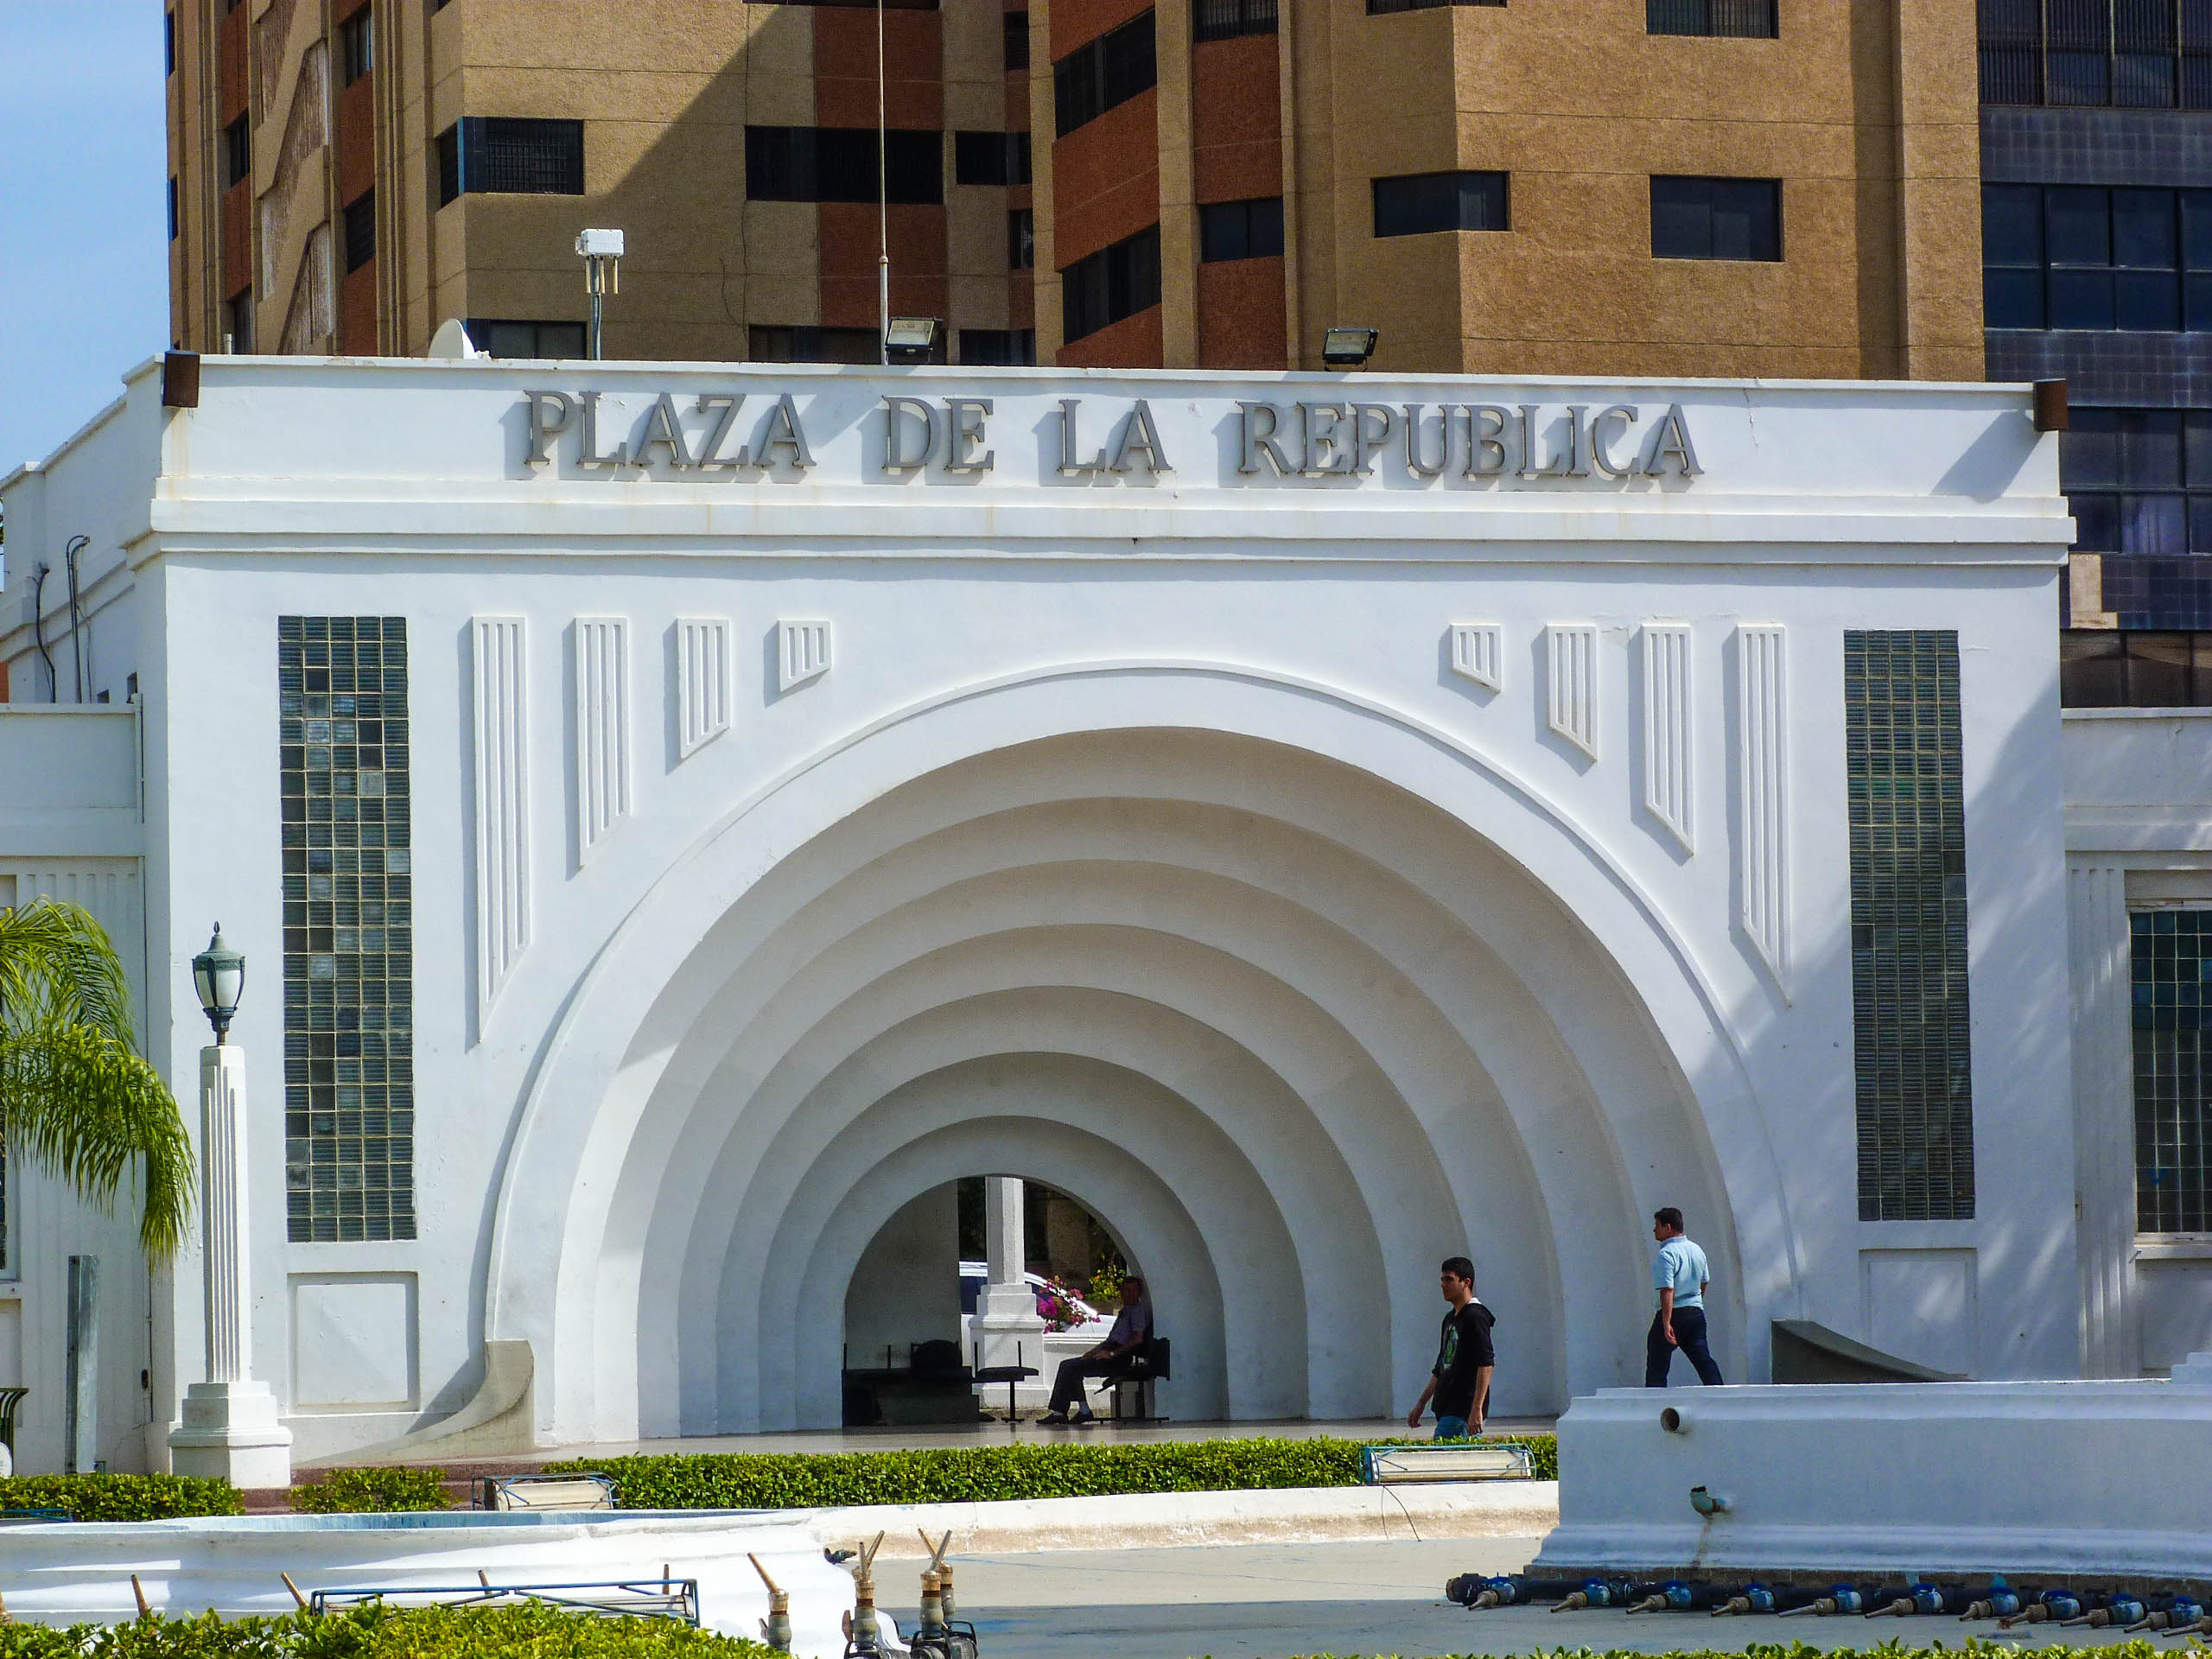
(1132, 1330)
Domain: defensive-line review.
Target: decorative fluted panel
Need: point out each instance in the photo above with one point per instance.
(1571, 673)
(702, 682)
(602, 675)
(502, 804)
(1670, 718)
(1762, 788)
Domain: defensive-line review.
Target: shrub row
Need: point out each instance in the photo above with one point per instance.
(791, 1481)
(372, 1492)
(375, 1633)
(121, 1497)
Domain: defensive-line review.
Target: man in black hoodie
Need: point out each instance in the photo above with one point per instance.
(1460, 1382)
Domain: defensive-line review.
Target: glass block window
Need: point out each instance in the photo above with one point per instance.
(2171, 985)
(1909, 925)
(349, 1000)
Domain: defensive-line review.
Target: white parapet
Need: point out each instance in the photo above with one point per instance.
(63, 1574)
(1889, 1479)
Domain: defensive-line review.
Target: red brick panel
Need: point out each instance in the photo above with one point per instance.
(1236, 119)
(1241, 315)
(229, 66)
(847, 256)
(356, 312)
(1106, 178)
(1074, 21)
(357, 139)
(844, 69)
(1132, 343)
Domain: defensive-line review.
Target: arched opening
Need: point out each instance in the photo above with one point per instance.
(918, 1321)
(1302, 1025)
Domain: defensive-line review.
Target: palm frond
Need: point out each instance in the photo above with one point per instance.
(83, 1107)
(56, 961)
(76, 1099)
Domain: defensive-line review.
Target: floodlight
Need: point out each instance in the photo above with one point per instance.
(1348, 348)
(909, 340)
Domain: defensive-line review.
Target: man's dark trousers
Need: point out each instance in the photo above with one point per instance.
(1689, 1336)
(1067, 1382)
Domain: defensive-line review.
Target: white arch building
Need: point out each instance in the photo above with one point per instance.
(1155, 785)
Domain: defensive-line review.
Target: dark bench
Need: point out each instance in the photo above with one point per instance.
(1141, 1368)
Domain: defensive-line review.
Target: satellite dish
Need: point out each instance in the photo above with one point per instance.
(452, 341)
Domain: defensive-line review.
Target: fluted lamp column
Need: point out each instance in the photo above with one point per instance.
(230, 1429)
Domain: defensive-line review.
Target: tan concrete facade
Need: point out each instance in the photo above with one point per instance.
(1865, 110)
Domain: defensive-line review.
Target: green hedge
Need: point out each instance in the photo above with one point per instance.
(372, 1492)
(793, 1481)
(374, 1633)
(121, 1497)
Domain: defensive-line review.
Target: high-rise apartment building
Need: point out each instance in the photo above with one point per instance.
(1625, 186)
(1849, 188)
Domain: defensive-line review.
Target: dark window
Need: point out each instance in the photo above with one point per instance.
(1021, 239)
(511, 156)
(1017, 40)
(1102, 73)
(1745, 19)
(2140, 484)
(168, 43)
(2169, 991)
(1240, 230)
(237, 153)
(1903, 778)
(2150, 54)
(998, 347)
(237, 321)
(356, 46)
(990, 158)
(838, 164)
(349, 933)
(2135, 668)
(1440, 202)
(803, 343)
(1716, 219)
(2085, 255)
(508, 337)
(1378, 8)
(173, 215)
(1110, 284)
(1224, 20)
(361, 232)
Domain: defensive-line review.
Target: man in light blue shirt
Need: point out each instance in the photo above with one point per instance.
(1680, 1276)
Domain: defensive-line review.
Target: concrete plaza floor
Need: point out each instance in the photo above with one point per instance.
(1270, 1601)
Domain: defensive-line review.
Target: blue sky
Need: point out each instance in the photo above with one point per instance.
(84, 257)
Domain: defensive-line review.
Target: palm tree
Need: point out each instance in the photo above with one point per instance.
(76, 1098)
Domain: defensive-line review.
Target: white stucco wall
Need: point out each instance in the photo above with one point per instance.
(1141, 838)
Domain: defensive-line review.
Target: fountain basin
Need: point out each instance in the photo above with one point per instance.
(65, 1573)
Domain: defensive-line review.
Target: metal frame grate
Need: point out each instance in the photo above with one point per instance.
(2170, 954)
(1903, 765)
(349, 997)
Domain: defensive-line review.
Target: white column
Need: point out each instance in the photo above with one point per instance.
(1007, 1330)
(2104, 1117)
(230, 1429)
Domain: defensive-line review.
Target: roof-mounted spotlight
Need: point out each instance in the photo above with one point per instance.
(909, 340)
(601, 252)
(1348, 348)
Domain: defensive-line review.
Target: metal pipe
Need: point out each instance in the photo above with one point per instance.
(39, 574)
(882, 206)
(776, 1628)
(71, 550)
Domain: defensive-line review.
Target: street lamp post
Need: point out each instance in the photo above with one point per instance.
(230, 1429)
